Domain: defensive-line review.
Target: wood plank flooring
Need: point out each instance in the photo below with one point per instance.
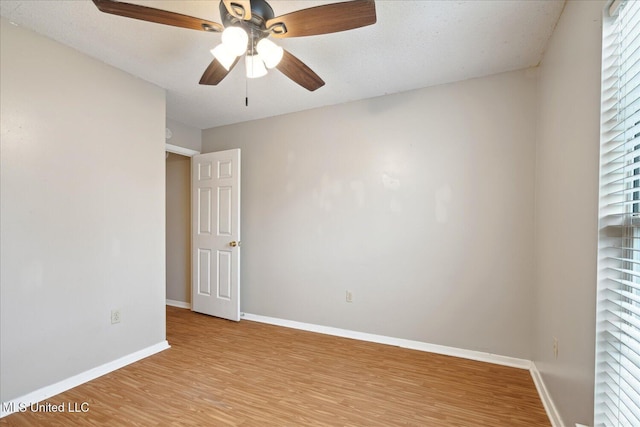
(220, 373)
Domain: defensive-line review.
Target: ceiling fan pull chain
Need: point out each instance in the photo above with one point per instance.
(246, 90)
(246, 76)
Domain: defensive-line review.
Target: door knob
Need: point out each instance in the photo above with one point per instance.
(233, 244)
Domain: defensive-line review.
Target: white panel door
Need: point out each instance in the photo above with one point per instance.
(215, 236)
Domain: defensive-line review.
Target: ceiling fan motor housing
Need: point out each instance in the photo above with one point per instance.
(261, 12)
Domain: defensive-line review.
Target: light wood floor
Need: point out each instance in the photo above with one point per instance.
(220, 373)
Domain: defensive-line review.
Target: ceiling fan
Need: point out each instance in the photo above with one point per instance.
(246, 28)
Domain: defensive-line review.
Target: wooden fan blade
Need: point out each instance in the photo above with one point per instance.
(158, 16)
(241, 9)
(215, 72)
(297, 71)
(325, 19)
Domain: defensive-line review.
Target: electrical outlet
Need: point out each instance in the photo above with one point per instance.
(349, 296)
(115, 316)
(555, 347)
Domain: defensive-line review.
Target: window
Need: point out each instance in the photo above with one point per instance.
(617, 397)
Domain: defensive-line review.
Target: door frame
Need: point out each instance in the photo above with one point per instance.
(176, 149)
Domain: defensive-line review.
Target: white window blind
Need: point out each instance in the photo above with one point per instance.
(617, 397)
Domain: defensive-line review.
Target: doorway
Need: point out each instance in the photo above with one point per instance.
(202, 226)
(178, 230)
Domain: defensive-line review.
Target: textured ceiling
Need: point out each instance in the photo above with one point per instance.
(414, 44)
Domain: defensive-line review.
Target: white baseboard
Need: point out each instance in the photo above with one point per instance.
(547, 402)
(179, 304)
(398, 342)
(76, 380)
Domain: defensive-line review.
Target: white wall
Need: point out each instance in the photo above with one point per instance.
(420, 203)
(82, 212)
(567, 210)
(184, 135)
(178, 235)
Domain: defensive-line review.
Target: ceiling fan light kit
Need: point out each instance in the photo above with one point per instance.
(255, 67)
(236, 42)
(224, 56)
(246, 26)
(270, 53)
(236, 39)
